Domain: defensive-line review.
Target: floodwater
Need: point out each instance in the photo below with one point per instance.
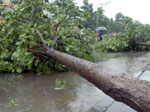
(37, 93)
(127, 62)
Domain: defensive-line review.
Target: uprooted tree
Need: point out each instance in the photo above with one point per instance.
(59, 24)
(32, 41)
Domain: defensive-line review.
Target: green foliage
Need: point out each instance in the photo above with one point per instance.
(134, 32)
(119, 17)
(19, 43)
(60, 84)
(13, 103)
(88, 8)
(97, 18)
(111, 43)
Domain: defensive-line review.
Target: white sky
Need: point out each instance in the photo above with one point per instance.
(137, 9)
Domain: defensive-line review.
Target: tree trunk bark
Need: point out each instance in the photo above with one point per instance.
(143, 44)
(122, 87)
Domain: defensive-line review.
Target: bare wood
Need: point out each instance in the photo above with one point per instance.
(122, 87)
(40, 36)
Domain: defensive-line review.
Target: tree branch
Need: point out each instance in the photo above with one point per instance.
(144, 69)
(41, 38)
(35, 10)
(56, 30)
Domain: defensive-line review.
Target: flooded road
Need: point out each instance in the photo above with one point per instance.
(37, 94)
(129, 62)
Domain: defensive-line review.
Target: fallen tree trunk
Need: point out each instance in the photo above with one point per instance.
(122, 87)
(143, 44)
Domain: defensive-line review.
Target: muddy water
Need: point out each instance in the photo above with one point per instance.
(129, 62)
(37, 94)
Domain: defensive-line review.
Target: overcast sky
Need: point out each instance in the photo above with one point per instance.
(137, 9)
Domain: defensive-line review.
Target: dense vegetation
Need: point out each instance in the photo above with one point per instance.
(64, 27)
(57, 22)
(123, 33)
(133, 34)
(97, 18)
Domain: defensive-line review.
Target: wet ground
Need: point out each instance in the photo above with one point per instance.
(37, 94)
(136, 64)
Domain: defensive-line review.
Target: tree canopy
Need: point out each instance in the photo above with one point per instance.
(58, 23)
(63, 26)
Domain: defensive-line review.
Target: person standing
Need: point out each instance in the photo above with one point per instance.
(100, 35)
